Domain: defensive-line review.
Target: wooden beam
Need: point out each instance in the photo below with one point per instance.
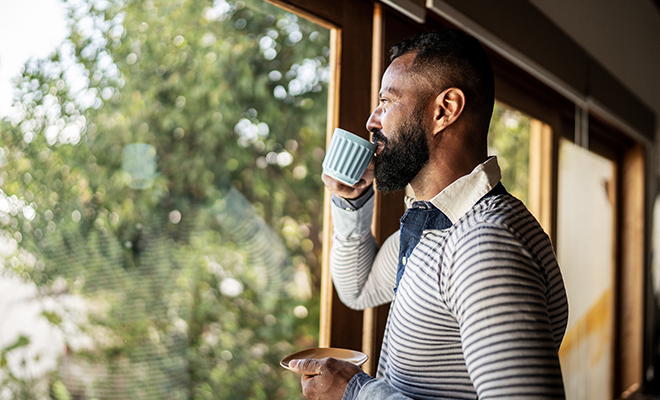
(327, 14)
(353, 111)
(631, 285)
(540, 173)
(333, 115)
(370, 314)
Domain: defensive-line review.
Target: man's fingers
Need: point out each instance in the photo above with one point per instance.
(324, 378)
(305, 366)
(338, 188)
(345, 191)
(334, 185)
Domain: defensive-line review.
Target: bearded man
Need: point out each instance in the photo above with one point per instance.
(478, 307)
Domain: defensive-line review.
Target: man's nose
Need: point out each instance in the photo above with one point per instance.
(373, 123)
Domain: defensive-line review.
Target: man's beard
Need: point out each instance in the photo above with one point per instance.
(404, 154)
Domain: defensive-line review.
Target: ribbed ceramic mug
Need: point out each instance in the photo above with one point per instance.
(347, 157)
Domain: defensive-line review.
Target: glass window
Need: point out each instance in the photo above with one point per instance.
(161, 203)
(509, 139)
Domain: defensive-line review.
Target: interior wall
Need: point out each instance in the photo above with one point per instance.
(623, 36)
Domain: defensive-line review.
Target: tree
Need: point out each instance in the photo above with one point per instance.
(177, 191)
(508, 138)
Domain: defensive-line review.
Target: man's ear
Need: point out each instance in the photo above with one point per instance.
(448, 106)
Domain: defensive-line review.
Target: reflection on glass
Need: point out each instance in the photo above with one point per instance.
(198, 283)
(585, 251)
(139, 160)
(508, 139)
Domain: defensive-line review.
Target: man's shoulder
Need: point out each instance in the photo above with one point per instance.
(501, 209)
(502, 215)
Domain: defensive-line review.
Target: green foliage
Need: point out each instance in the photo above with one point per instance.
(189, 275)
(508, 138)
(20, 385)
(22, 341)
(60, 392)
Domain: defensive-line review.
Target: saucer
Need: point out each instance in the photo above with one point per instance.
(356, 357)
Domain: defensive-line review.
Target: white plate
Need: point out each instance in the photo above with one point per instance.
(356, 357)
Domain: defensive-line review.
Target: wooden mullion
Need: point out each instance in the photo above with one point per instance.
(369, 321)
(353, 110)
(630, 330)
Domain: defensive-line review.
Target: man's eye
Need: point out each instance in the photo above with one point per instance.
(383, 101)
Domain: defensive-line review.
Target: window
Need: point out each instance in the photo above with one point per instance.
(523, 145)
(509, 138)
(165, 208)
(161, 198)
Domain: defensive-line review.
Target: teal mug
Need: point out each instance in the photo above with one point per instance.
(347, 157)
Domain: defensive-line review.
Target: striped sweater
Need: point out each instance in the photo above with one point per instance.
(480, 310)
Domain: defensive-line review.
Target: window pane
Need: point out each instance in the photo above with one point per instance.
(508, 139)
(161, 203)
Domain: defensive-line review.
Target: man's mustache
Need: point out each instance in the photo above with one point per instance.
(378, 136)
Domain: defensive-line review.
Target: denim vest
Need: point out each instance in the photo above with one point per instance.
(421, 216)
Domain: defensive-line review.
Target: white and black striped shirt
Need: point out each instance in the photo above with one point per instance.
(480, 311)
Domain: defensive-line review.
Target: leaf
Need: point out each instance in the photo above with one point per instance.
(22, 341)
(60, 391)
(52, 317)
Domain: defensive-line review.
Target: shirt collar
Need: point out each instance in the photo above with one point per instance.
(461, 195)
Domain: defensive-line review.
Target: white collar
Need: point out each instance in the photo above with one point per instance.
(461, 195)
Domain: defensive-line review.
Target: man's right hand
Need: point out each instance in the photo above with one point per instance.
(324, 379)
(350, 192)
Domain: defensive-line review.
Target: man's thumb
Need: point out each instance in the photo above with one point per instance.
(306, 366)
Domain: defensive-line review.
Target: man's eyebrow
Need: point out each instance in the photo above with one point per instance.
(390, 90)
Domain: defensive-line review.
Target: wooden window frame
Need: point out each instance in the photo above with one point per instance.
(351, 24)
(630, 158)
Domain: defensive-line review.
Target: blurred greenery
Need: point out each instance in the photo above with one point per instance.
(508, 138)
(198, 264)
(19, 386)
(163, 165)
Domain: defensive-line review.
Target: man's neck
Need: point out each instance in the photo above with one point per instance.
(438, 174)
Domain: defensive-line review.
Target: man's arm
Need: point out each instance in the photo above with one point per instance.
(497, 291)
(363, 275)
(377, 389)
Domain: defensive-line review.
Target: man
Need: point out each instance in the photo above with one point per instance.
(478, 302)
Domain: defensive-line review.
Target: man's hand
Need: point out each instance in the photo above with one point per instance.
(325, 379)
(350, 192)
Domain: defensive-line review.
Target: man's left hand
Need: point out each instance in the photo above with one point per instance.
(325, 379)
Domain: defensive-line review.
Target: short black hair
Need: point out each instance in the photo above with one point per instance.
(451, 58)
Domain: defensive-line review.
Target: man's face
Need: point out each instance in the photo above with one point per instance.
(398, 127)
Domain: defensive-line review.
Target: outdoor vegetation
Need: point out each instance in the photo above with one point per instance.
(508, 138)
(164, 170)
(160, 186)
